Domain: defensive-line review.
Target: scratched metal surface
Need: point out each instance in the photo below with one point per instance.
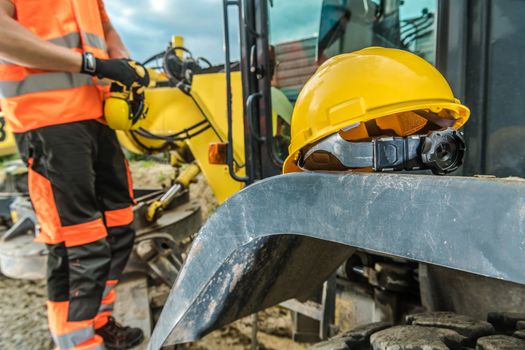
(300, 226)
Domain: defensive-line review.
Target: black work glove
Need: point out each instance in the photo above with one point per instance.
(123, 71)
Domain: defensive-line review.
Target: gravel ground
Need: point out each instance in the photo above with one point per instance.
(23, 324)
(274, 333)
(23, 321)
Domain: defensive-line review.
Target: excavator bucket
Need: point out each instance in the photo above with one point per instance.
(282, 237)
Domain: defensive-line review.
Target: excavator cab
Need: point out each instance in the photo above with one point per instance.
(303, 35)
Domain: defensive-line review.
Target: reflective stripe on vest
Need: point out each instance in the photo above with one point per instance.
(94, 40)
(44, 82)
(74, 41)
(72, 339)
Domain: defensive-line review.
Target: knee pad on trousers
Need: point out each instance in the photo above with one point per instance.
(57, 273)
(89, 266)
(121, 241)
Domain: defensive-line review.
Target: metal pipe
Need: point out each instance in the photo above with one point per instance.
(255, 329)
(266, 89)
(171, 193)
(227, 71)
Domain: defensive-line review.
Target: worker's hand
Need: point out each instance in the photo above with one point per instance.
(123, 71)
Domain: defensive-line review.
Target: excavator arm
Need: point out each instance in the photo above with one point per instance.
(282, 237)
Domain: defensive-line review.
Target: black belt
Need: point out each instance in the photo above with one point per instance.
(441, 151)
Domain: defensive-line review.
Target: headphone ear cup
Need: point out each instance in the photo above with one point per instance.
(124, 110)
(118, 113)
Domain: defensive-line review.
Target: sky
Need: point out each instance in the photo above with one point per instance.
(146, 26)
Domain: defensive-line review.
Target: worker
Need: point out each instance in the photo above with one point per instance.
(51, 54)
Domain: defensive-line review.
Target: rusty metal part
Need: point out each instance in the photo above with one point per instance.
(163, 256)
(394, 278)
(282, 237)
(160, 247)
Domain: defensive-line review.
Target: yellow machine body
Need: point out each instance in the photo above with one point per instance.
(172, 111)
(7, 143)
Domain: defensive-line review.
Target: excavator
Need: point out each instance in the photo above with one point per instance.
(405, 261)
(366, 259)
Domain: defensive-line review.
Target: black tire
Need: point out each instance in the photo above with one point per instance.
(436, 331)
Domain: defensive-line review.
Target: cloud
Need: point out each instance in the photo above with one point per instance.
(159, 6)
(147, 26)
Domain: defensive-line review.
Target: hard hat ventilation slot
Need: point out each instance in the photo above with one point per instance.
(408, 123)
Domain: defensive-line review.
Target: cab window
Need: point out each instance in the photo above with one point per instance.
(304, 34)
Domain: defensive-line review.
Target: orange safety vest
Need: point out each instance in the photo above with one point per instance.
(33, 98)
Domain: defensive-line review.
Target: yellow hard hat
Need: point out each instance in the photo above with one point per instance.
(374, 84)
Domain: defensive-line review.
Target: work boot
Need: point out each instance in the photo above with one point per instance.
(118, 337)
